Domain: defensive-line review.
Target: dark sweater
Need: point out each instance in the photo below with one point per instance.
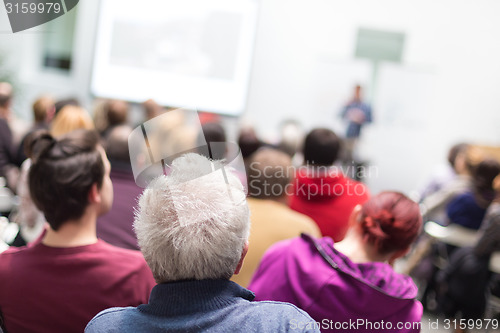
(203, 306)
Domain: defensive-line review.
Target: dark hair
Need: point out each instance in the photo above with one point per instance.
(63, 172)
(59, 105)
(267, 169)
(213, 132)
(482, 177)
(321, 147)
(390, 221)
(116, 144)
(248, 142)
(116, 112)
(455, 151)
(4, 100)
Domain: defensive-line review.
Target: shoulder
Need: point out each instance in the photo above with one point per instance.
(282, 309)
(282, 316)
(108, 319)
(115, 251)
(120, 258)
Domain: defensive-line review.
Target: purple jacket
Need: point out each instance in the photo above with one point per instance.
(337, 293)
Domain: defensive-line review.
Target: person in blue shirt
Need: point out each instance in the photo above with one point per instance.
(356, 113)
(192, 227)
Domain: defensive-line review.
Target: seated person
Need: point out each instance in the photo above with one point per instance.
(489, 240)
(321, 191)
(269, 176)
(352, 280)
(468, 209)
(193, 227)
(464, 280)
(115, 227)
(433, 205)
(62, 280)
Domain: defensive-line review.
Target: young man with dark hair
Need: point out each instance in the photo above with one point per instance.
(321, 191)
(58, 283)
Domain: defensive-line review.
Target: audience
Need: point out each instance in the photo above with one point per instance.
(292, 136)
(116, 114)
(444, 174)
(193, 228)
(321, 191)
(269, 175)
(43, 112)
(8, 163)
(67, 276)
(248, 141)
(212, 133)
(434, 205)
(115, 227)
(465, 280)
(354, 279)
(29, 217)
(69, 118)
(468, 209)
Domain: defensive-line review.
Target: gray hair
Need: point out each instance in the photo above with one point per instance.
(191, 224)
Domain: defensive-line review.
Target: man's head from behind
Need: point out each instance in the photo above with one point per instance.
(321, 147)
(191, 224)
(64, 173)
(269, 173)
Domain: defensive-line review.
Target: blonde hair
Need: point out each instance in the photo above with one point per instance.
(69, 119)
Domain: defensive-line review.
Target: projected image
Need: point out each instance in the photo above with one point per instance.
(206, 47)
(194, 53)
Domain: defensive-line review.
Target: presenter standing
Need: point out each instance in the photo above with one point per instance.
(356, 113)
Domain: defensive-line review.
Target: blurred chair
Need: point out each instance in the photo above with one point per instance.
(452, 234)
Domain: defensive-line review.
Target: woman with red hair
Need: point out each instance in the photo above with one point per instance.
(350, 285)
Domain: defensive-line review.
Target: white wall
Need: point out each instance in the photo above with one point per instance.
(454, 43)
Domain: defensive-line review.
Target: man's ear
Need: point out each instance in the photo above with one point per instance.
(243, 254)
(94, 194)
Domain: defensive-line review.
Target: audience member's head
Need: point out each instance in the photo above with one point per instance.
(191, 225)
(5, 98)
(457, 157)
(269, 173)
(248, 141)
(69, 119)
(116, 144)
(60, 104)
(65, 172)
(43, 109)
(213, 132)
(321, 147)
(483, 175)
(291, 137)
(152, 109)
(390, 222)
(117, 112)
